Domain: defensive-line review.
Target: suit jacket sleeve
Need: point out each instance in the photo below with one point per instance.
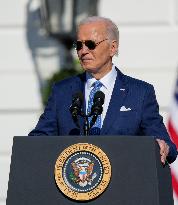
(152, 123)
(47, 124)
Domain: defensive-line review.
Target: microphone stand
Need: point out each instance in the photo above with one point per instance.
(86, 124)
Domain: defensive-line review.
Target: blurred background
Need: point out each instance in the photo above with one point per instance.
(36, 39)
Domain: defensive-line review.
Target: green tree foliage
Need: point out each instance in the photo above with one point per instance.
(60, 75)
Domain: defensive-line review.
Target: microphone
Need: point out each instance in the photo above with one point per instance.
(97, 108)
(75, 108)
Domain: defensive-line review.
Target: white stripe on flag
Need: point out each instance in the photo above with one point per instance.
(175, 199)
(174, 168)
(173, 130)
(174, 114)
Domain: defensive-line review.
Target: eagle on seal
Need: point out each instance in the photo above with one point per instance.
(82, 172)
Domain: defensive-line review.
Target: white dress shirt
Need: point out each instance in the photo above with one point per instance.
(108, 82)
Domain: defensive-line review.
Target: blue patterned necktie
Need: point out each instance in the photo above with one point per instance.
(95, 130)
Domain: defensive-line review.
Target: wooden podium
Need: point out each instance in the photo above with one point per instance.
(138, 177)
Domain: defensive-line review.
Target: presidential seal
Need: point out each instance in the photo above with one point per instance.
(82, 171)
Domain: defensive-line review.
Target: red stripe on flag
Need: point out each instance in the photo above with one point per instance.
(175, 184)
(174, 137)
(173, 133)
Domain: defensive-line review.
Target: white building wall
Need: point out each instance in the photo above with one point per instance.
(148, 50)
(19, 102)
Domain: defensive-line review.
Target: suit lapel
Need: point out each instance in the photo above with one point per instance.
(117, 99)
(80, 86)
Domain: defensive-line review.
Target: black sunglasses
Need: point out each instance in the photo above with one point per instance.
(91, 45)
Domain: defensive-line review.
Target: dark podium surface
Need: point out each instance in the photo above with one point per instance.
(138, 177)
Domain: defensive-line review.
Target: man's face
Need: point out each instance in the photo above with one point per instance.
(99, 60)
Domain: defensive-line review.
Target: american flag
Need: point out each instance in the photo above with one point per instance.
(173, 131)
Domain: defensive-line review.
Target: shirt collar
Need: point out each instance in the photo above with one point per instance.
(106, 80)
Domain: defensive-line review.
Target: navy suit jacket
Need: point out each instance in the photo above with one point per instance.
(141, 119)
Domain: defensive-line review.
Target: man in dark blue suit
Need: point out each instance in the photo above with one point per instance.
(130, 106)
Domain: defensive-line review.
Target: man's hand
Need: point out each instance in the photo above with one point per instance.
(164, 150)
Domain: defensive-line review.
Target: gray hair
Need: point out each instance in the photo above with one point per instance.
(111, 28)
